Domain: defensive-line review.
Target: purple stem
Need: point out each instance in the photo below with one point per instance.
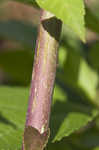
(44, 71)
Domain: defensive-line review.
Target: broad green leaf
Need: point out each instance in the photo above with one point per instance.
(73, 122)
(68, 117)
(17, 64)
(13, 106)
(69, 11)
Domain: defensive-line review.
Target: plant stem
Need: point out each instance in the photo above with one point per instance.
(44, 71)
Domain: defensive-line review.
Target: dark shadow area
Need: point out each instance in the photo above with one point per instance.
(71, 93)
(53, 27)
(4, 120)
(22, 32)
(17, 66)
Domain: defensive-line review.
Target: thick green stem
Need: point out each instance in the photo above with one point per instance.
(43, 77)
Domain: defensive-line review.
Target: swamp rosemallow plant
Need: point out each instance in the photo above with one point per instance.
(37, 124)
(70, 112)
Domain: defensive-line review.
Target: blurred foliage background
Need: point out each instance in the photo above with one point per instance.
(75, 110)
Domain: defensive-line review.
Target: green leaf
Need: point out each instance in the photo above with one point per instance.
(69, 11)
(73, 122)
(13, 106)
(66, 117)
